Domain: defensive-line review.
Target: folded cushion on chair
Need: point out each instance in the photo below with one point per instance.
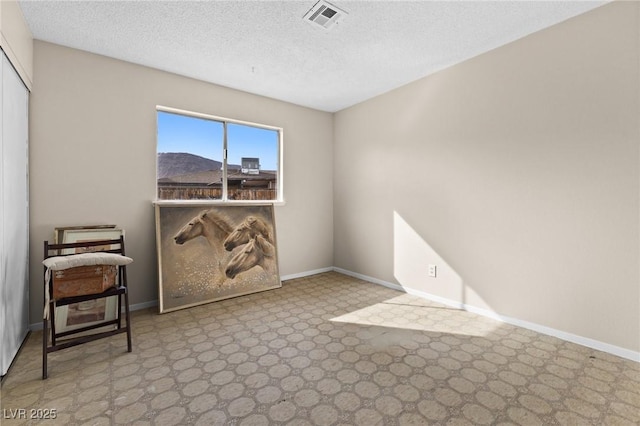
(58, 263)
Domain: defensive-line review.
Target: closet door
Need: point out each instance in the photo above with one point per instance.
(14, 214)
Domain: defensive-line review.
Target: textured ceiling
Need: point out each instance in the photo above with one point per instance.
(265, 47)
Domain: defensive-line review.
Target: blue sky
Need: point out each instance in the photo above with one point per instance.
(181, 133)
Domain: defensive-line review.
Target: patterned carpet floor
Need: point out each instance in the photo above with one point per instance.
(323, 350)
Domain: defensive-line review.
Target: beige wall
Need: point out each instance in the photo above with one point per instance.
(16, 40)
(93, 159)
(516, 173)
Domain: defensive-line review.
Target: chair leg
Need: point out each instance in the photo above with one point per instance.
(45, 344)
(52, 315)
(126, 310)
(119, 316)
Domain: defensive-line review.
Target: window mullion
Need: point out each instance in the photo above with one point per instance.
(224, 162)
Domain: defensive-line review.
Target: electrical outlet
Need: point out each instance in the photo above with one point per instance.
(432, 271)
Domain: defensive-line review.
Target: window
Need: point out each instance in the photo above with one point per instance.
(203, 157)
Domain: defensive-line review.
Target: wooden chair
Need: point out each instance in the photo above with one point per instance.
(54, 341)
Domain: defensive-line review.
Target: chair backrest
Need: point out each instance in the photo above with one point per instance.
(66, 249)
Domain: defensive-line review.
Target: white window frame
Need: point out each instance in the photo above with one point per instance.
(224, 200)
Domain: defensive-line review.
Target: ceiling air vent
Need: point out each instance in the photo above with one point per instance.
(324, 15)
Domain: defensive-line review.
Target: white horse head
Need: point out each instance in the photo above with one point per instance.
(207, 224)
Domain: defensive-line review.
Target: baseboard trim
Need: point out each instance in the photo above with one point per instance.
(153, 303)
(144, 305)
(306, 273)
(569, 337)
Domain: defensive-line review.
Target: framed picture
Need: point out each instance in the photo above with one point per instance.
(57, 232)
(89, 234)
(83, 314)
(209, 253)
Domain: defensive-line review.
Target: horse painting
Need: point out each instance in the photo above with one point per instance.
(257, 252)
(248, 229)
(213, 252)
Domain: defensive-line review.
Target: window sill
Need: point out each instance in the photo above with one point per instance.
(215, 203)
